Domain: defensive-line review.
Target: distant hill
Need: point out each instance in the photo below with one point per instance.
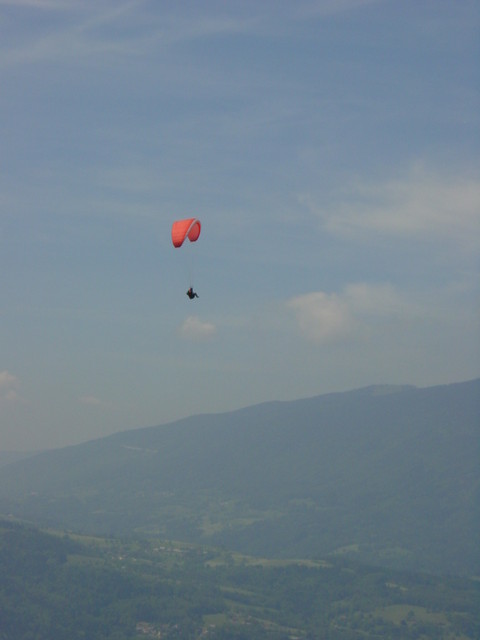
(7, 457)
(388, 475)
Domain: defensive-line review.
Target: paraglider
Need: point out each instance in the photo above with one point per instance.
(181, 230)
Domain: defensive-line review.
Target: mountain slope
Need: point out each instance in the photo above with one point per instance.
(389, 474)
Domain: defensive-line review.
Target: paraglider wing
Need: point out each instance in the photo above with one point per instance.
(182, 229)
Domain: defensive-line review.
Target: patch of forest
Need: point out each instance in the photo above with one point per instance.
(57, 586)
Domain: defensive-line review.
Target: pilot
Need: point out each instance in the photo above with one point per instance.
(191, 294)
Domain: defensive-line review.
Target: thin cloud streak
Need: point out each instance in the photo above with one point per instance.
(422, 206)
(42, 5)
(139, 30)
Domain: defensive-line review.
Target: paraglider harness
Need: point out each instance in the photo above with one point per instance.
(191, 294)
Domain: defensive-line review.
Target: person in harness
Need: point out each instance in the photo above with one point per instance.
(191, 294)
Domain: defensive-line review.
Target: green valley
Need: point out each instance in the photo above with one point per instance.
(56, 586)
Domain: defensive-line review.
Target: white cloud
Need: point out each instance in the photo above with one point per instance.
(8, 387)
(321, 317)
(330, 317)
(380, 300)
(195, 329)
(422, 205)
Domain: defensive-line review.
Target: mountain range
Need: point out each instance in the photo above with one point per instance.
(388, 475)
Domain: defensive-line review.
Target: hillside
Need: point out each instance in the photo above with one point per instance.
(7, 457)
(58, 586)
(388, 475)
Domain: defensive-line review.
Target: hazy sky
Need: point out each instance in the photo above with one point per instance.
(330, 149)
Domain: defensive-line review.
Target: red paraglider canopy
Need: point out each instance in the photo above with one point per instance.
(188, 228)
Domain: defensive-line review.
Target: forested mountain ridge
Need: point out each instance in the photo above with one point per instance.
(387, 474)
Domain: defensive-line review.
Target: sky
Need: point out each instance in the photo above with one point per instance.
(330, 149)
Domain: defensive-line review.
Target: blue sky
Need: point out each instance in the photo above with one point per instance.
(330, 149)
